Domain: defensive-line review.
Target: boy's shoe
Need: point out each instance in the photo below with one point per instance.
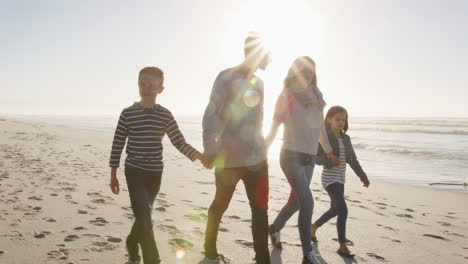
(206, 260)
(133, 255)
(211, 252)
(275, 237)
(133, 261)
(310, 258)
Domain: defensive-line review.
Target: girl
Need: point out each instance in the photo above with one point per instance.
(300, 109)
(333, 179)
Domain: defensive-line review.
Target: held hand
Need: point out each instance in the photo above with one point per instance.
(199, 156)
(207, 160)
(334, 160)
(366, 185)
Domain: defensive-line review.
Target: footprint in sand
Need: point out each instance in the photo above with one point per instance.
(71, 238)
(35, 198)
(444, 223)
(373, 255)
(393, 240)
(160, 209)
(98, 221)
(82, 212)
(348, 242)
(387, 227)
(41, 235)
(90, 207)
(181, 243)
(244, 243)
(129, 216)
(114, 239)
(103, 245)
(78, 228)
(171, 229)
(454, 234)
(435, 236)
(405, 215)
(199, 215)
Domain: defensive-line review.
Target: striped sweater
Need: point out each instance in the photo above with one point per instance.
(145, 129)
(338, 173)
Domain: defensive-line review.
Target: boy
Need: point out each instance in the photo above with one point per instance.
(144, 124)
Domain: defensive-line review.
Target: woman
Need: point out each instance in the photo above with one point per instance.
(300, 109)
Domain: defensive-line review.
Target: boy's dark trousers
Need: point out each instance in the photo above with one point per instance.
(143, 186)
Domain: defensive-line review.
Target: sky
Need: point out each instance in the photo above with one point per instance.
(389, 58)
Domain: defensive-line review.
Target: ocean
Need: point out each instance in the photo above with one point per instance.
(429, 152)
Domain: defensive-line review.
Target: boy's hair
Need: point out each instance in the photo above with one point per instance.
(252, 44)
(332, 112)
(155, 71)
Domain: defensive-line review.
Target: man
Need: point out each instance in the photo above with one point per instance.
(234, 145)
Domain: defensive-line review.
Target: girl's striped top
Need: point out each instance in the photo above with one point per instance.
(336, 174)
(145, 128)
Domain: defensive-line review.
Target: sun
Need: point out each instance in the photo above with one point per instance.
(289, 29)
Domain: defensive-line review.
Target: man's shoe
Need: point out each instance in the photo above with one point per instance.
(275, 237)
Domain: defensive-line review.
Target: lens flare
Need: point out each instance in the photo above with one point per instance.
(180, 254)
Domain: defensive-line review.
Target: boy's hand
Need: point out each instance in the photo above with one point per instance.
(198, 156)
(334, 160)
(207, 160)
(114, 182)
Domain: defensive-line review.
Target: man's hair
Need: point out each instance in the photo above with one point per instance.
(155, 71)
(252, 44)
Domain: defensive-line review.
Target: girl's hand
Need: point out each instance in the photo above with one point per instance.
(366, 185)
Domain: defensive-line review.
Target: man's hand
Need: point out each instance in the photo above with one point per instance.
(114, 182)
(334, 160)
(207, 160)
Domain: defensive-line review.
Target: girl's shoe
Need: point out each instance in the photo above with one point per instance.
(345, 253)
(133, 257)
(309, 258)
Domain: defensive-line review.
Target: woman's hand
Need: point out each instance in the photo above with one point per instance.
(334, 160)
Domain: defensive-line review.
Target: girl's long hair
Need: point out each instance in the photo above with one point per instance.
(332, 112)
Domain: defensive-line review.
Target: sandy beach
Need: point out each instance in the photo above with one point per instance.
(56, 207)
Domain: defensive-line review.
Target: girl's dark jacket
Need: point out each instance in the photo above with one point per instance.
(351, 158)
